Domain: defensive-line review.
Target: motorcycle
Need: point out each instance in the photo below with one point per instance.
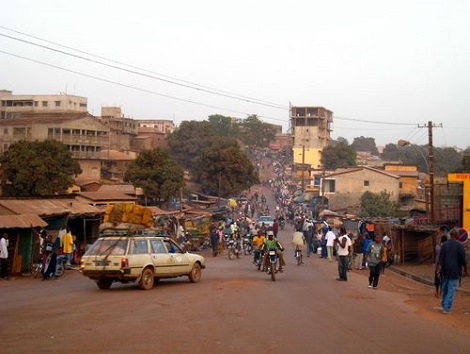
(37, 268)
(272, 266)
(258, 258)
(282, 223)
(298, 257)
(247, 246)
(233, 248)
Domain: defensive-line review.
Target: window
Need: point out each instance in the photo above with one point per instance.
(331, 185)
(400, 185)
(44, 103)
(5, 131)
(366, 183)
(139, 247)
(57, 103)
(157, 246)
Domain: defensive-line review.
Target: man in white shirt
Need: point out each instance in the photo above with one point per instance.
(330, 243)
(4, 256)
(344, 247)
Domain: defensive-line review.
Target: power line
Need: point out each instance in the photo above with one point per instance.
(132, 87)
(182, 83)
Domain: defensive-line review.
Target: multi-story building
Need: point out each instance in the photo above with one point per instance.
(311, 128)
(13, 106)
(84, 136)
(164, 126)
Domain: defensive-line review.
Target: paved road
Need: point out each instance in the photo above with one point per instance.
(234, 309)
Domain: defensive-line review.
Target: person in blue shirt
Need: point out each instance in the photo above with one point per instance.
(452, 260)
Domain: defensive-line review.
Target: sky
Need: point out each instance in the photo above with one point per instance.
(385, 68)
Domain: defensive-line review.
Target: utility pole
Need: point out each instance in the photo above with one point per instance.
(430, 125)
(303, 168)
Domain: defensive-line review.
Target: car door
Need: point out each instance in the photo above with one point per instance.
(180, 260)
(138, 255)
(162, 260)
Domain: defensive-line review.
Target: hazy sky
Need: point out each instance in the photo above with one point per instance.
(385, 68)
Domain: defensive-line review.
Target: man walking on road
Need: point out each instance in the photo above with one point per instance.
(375, 252)
(344, 247)
(330, 243)
(451, 261)
(4, 256)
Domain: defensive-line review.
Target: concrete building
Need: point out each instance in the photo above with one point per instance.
(344, 187)
(84, 136)
(311, 128)
(13, 106)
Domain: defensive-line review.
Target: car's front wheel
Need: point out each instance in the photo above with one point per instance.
(147, 279)
(195, 274)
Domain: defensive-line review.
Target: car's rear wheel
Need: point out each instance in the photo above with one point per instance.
(147, 279)
(104, 283)
(195, 274)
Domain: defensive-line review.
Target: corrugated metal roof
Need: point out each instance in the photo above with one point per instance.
(121, 188)
(49, 207)
(23, 221)
(104, 196)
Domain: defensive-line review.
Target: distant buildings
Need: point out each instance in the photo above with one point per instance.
(311, 128)
(13, 106)
(103, 145)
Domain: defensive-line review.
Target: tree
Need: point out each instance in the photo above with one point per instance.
(255, 133)
(337, 156)
(365, 144)
(391, 152)
(466, 161)
(37, 169)
(186, 142)
(222, 125)
(157, 174)
(225, 171)
(378, 205)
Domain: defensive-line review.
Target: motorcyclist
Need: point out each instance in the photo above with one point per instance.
(272, 243)
(257, 243)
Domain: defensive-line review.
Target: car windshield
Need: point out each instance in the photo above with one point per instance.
(265, 218)
(108, 247)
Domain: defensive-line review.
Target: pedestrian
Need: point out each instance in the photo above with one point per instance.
(351, 251)
(344, 247)
(67, 246)
(437, 275)
(4, 256)
(358, 252)
(374, 255)
(307, 232)
(49, 257)
(452, 259)
(214, 238)
(330, 243)
(365, 245)
(384, 257)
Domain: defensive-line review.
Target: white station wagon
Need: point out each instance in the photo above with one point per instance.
(141, 257)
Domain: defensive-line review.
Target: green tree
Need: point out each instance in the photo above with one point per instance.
(391, 152)
(37, 169)
(338, 156)
(378, 205)
(365, 144)
(186, 141)
(225, 172)
(466, 161)
(255, 133)
(222, 125)
(157, 174)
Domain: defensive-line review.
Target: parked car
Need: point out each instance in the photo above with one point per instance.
(268, 220)
(142, 257)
